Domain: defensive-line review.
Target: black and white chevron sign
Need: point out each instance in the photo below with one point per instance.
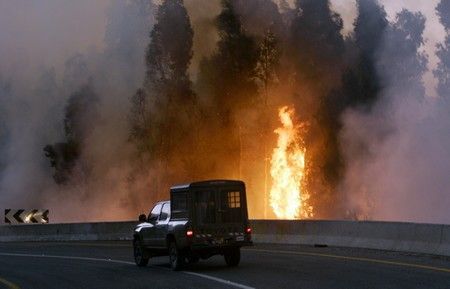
(13, 216)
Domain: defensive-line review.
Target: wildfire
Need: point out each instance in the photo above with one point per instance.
(288, 198)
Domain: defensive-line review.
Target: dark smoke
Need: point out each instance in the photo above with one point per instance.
(81, 111)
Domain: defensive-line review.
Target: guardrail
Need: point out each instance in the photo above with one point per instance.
(407, 237)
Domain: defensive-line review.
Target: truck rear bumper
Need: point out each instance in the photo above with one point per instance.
(219, 247)
(205, 251)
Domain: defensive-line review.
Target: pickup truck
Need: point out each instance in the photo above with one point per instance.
(201, 219)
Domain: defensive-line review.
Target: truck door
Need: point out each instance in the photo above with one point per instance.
(161, 226)
(149, 231)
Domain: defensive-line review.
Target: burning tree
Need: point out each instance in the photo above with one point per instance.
(316, 50)
(267, 72)
(289, 198)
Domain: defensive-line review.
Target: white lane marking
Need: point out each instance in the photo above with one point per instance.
(238, 285)
(223, 281)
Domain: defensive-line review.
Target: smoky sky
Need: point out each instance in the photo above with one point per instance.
(49, 31)
(28, 27)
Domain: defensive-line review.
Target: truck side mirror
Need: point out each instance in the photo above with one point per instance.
(142, 218)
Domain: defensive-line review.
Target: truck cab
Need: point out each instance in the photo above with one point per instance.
(201, 219)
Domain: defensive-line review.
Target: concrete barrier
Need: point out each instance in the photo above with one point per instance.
(407, 237)
(68, 232)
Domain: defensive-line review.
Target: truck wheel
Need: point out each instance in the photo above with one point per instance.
(141, 255)
(176, 257)
(232, 256)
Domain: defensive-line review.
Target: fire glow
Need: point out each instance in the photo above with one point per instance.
(288, 197)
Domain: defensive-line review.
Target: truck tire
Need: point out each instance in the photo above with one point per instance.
(176, 257)
(141, 255)
(232, 256)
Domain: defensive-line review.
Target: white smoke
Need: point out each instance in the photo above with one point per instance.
(39, 41)
(397, 155)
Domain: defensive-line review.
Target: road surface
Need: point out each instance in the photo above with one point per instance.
(110, 265)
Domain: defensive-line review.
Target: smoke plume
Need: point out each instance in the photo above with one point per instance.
(397, 154)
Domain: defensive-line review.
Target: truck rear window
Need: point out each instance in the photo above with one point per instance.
(230, 206)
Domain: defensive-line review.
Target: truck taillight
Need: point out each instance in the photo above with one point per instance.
(189, 233)
(248, 230)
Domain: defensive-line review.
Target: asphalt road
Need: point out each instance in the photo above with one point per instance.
(110, 265)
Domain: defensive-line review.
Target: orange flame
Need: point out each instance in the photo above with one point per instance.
(288, 198)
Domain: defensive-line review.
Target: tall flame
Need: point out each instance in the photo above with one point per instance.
(288, 198)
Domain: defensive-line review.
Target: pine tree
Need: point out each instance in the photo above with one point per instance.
(81, 113)
(228, 80)
(259, 16)
(401, 63)
(233, 83)
(140, 122)
(317, 56)
(268, 62)
(362, 84)
(163, 110)
(442, 71)
(317, 44)
(167, 84)
(169, 54)
(267, 71)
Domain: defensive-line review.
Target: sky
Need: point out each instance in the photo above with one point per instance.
(50, 30)
(28, 27)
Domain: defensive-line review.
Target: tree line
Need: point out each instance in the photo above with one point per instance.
(188, 127)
